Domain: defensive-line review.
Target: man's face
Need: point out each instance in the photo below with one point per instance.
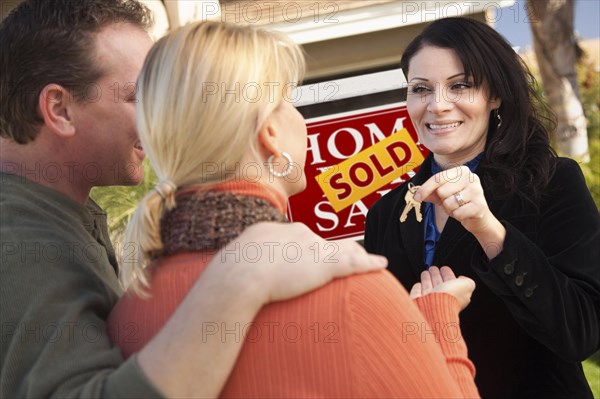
(105, 120)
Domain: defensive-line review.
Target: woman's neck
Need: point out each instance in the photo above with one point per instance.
(452, 161)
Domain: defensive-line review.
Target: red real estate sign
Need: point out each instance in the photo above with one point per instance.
(353, 159)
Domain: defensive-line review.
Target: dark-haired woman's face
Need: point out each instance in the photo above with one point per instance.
(449, 113)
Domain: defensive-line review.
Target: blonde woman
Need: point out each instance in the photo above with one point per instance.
(229, 149)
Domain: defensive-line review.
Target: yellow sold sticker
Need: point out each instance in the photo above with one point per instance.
(369, 170)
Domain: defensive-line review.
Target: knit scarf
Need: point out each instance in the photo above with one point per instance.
(206, 219)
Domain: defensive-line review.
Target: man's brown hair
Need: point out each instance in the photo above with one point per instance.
(44, 42)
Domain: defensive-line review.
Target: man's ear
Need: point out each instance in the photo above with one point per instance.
(56, 107)
(267, 137)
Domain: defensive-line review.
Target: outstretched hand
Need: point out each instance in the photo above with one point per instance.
(443, 280)
(291, 260)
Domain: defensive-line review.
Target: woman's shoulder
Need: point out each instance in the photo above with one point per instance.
(564, 166)
(568, 187)
(567, 175)
(367, 293)
(379, 282)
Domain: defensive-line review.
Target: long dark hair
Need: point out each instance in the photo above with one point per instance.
(517, 153)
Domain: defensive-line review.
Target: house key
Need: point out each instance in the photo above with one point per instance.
(411, 203)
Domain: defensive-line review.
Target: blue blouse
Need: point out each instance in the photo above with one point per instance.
(432, 235)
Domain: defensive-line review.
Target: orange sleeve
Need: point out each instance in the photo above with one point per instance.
(396, 353)
(441, 313)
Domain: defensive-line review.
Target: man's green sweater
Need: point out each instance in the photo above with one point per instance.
(58, 285)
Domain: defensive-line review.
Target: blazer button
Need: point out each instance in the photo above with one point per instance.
(529, 292)
(519, 280)
(509, 268)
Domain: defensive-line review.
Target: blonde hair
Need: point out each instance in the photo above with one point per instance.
(204, 92)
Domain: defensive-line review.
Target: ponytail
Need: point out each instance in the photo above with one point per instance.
(143, 232)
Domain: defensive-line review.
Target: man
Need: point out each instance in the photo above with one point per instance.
(67, 124)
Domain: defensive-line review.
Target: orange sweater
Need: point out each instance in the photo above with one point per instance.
(357, 337)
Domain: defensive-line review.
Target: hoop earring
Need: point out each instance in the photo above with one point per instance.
(288, 168)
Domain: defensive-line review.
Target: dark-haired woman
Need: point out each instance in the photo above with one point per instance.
(501, 208)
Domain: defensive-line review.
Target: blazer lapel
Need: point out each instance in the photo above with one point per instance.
(451, 239)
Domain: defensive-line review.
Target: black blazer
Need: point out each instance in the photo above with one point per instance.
(534, 315)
